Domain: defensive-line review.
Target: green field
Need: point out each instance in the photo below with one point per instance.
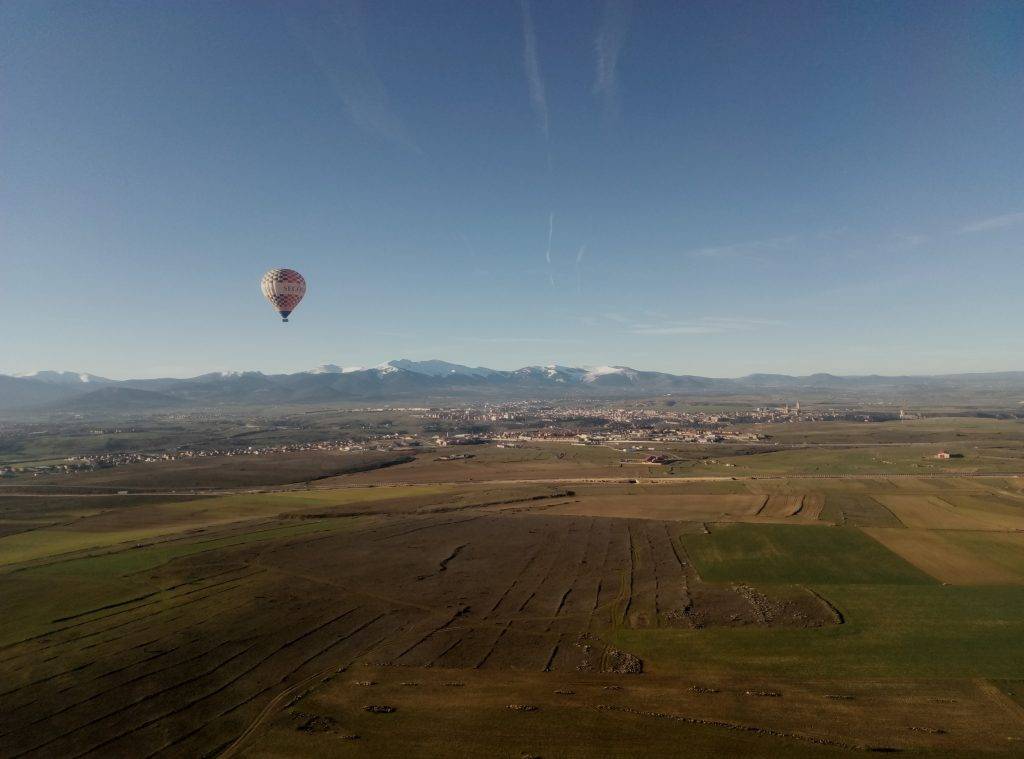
(890, 631)
(99, 529)
(71, 587)
(797, 554)
(126, 563)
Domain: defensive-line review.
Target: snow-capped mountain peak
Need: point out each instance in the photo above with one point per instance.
(604, 371)
(436, 368)
(64, 378)
(552, 372)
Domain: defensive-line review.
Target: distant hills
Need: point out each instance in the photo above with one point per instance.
(405, 379)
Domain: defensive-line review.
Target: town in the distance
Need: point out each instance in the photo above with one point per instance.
(613, 407)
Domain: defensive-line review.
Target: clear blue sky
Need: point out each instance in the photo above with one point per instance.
(714, 188)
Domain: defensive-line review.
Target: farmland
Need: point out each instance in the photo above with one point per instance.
(541, 601)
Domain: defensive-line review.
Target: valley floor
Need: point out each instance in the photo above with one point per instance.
(541, 616)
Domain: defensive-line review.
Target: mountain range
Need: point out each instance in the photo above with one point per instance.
(405, 379)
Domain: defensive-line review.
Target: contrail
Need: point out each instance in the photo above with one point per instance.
(608, 46)
(534, 78)
(547, 254)
(336, 43)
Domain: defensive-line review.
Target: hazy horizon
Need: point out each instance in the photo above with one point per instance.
(710, 189)
(359, 367)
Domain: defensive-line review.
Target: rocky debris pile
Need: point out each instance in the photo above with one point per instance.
(379, 709)
(740, 727)
(702, 689)
(587, 662)
(680, 615)
(605, 658)
(764, 610)
(741, 605)
(315, 723)
(623, 663)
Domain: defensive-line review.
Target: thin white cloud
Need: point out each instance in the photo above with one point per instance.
(534, 77)
(908, 240)
(706, 325)
(608, 47)
(551, 232)
(619, 318)
(502, 340)
(338, 47)
(746, 250)
(677, 329)
(994, 222)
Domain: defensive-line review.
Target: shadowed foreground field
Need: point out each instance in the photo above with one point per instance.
(783, 618)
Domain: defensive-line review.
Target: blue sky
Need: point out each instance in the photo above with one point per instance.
(714, 188)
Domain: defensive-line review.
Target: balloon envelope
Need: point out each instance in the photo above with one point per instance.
(284, 289)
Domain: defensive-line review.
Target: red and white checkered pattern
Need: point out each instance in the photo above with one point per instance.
(284, 289)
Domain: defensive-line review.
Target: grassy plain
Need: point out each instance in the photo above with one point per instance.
(109, 527)
(894, 632)
(797, 554)
(527, 601)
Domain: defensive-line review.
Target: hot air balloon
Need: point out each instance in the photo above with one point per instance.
(284, 289)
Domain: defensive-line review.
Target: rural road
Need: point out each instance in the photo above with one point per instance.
(58, 491)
